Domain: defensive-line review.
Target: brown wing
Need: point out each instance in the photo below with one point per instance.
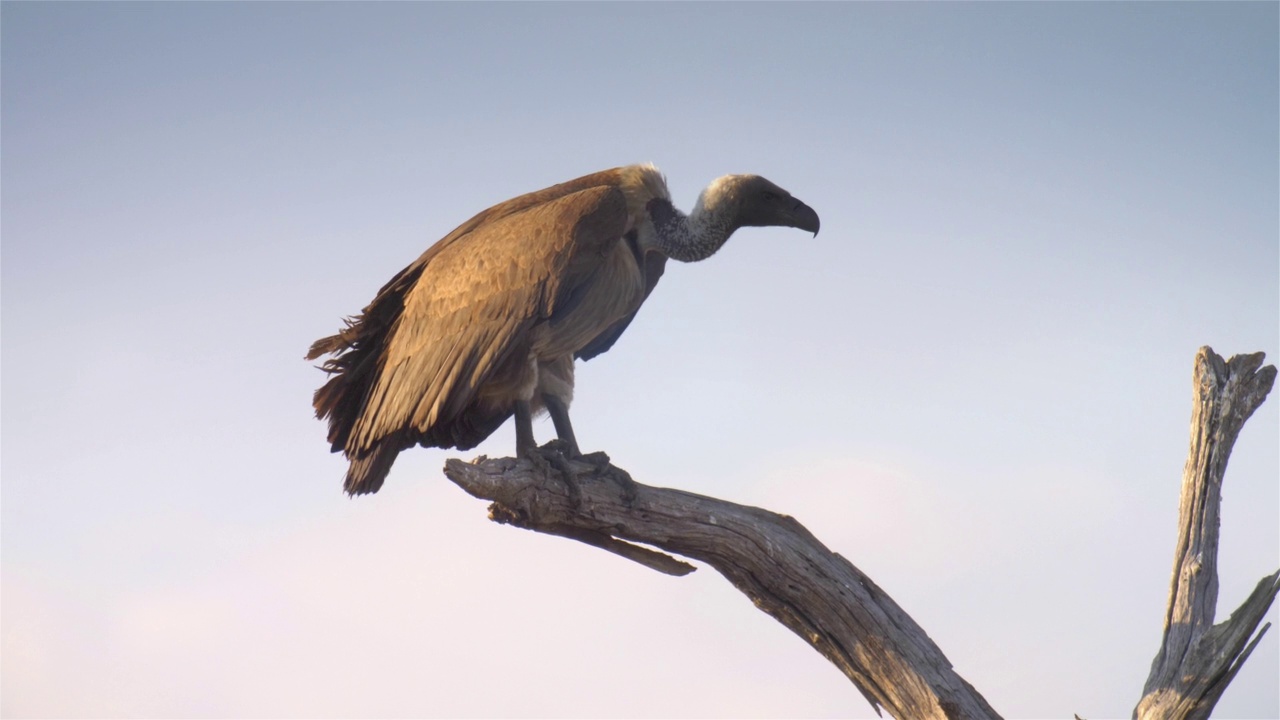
(357, 349)
(466, 313)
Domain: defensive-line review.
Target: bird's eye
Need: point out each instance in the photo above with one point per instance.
(768, 196)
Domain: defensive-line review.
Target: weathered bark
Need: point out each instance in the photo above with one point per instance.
(1198, 659)
(838, 610)
(771, 558)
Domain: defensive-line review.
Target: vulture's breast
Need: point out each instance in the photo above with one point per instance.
(612, 292)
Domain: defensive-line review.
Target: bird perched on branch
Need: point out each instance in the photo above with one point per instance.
(488, 321)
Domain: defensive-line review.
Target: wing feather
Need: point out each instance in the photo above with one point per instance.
(357, 350)
(472, 306)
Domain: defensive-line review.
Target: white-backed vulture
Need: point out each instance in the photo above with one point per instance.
(488, 321)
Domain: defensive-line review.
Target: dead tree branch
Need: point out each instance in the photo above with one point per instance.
(771, 558)
(838, 610)
(1198, 659)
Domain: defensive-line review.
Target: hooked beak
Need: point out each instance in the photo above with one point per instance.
(804, 217)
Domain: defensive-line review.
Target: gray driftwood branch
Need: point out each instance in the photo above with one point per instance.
(1198, 659)
(771, 558)
(845, 616)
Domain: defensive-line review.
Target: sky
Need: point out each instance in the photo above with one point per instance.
(975, 383)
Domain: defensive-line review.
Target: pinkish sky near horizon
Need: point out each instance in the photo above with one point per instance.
(974, 383)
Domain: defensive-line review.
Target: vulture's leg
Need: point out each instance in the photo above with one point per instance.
(524, 429)
(559, 413)
(549, 459)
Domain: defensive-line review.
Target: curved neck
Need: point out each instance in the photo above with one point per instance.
(689, 238)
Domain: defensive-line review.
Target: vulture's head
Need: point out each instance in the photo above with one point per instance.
(729, 203)
(752, 201)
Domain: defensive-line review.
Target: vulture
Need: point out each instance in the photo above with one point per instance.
(488, 322)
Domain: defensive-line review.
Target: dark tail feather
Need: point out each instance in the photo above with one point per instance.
(331, 344)
(368, 471)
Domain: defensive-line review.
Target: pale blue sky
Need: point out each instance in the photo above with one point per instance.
(974, 384)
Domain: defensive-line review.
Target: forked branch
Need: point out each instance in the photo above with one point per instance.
(1198, 659)
(838, 610)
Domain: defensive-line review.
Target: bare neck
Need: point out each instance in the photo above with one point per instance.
(689, 238)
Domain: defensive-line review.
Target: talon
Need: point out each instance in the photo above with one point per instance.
(551, 456)
(598, 458)
(629, 488)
